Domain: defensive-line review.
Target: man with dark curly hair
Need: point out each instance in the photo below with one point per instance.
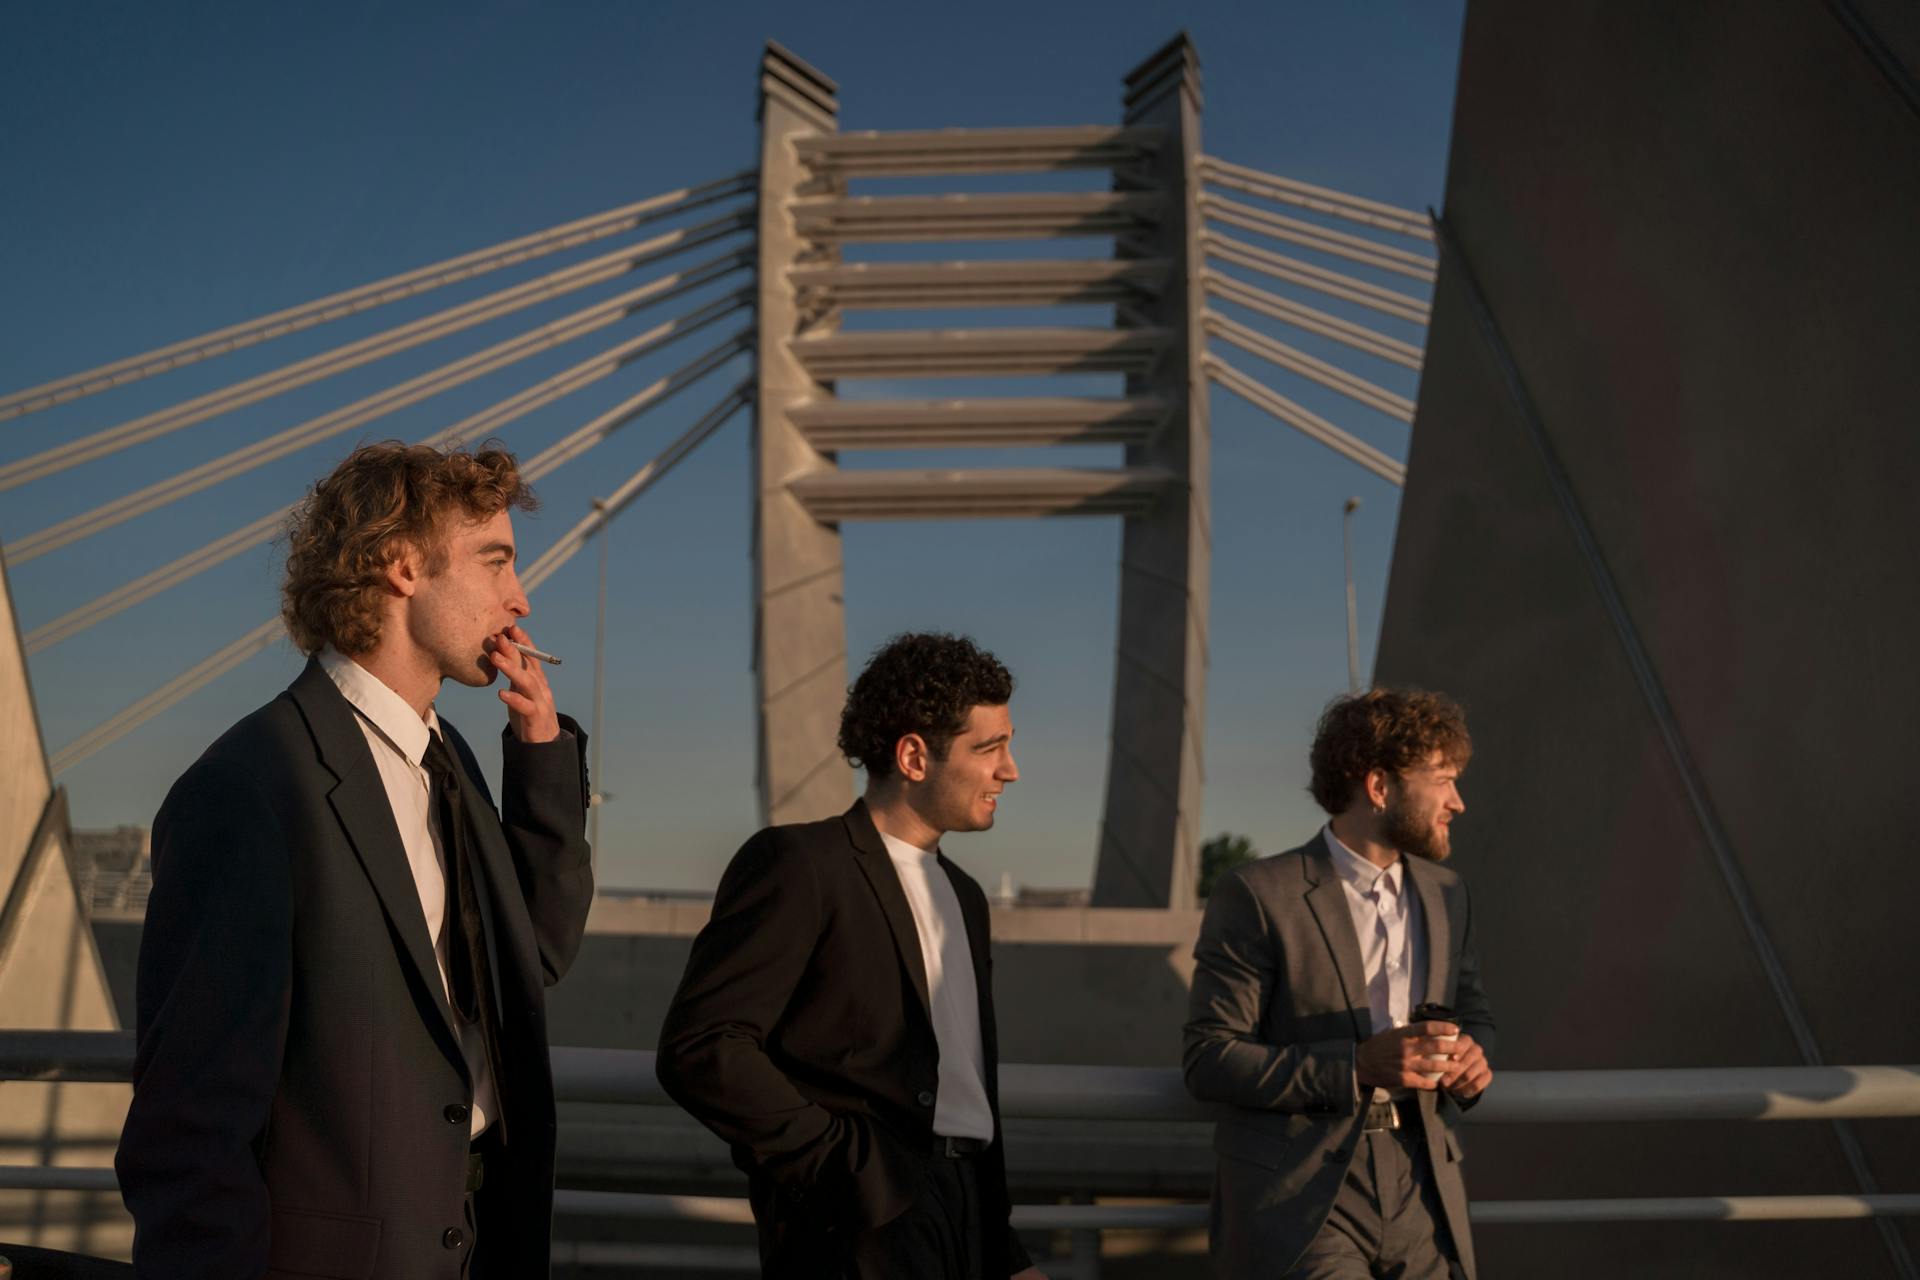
(342, 1065)
(835, 1022)
(1337, 1010)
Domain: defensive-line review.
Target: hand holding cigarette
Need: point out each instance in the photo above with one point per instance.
(529, 702)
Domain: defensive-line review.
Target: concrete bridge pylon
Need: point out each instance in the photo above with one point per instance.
(1149, 836)
(51, 978)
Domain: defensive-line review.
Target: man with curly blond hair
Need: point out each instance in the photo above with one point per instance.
(835, 1022)
(342, 1065)
(1337, 1010)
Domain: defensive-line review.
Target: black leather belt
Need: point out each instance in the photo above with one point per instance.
(955, 1148)
(1385, 1116)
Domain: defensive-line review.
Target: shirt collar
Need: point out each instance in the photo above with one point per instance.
(901, 851)
(379, 705)
(1356, 870)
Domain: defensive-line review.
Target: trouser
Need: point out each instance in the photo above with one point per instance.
(487, 1164)
(937, 1238)
(1387, 1222)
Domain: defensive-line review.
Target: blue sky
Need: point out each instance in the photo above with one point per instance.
(172, 170)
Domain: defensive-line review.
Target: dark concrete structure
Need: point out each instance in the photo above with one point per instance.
(1659, 536)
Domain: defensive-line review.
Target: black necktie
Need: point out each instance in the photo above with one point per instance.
(468, 973)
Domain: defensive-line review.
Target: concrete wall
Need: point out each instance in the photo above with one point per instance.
(50, 978)
(1072, 985)
(1694, 227)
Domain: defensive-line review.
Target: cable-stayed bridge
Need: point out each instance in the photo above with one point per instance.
(1656, 535)
(791, 300)
(744, 286)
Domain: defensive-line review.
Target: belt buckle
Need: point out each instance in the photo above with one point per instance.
(947, 1147)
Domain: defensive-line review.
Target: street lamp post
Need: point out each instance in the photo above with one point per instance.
(599, 691)
(1353, 618)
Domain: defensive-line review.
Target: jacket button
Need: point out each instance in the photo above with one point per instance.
(926, 1098)
(453, 1238)
(458, 1113)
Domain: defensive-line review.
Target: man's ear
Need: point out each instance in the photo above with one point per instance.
(910, 757)
(1376, 783)
(405, 571)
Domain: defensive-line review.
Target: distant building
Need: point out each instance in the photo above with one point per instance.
(623, 894)
(112, 870)
(1032, 896)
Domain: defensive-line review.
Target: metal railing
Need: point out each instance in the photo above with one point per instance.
(1034, 1092)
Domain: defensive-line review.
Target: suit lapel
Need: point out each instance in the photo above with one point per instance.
(1328, 902)
(871, 854)
(1433, 905)
(359, 801)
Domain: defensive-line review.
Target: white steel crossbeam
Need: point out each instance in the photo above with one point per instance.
(976, 284)
(948, 495)
(967, 217)
(942, 353)
(984, 423)
(945, 151)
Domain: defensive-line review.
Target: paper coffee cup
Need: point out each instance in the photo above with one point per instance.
(1445, 1040)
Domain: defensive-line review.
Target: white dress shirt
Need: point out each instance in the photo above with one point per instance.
(960, 1107)
(398, 739)
(1392, 933)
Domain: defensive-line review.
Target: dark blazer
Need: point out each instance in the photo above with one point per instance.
(300, 1099)
(1278, 1004)
(801, 1034)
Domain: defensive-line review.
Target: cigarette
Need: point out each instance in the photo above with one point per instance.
(532, 652)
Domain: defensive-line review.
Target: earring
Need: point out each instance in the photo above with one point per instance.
(1378, 810)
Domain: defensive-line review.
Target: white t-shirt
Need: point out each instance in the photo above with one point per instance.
(960, 1108)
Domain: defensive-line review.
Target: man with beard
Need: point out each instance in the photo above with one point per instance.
(1340, 1157)
(835, 1022)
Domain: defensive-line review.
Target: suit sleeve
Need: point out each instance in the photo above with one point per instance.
(1470, 997)
(543, 814)
(741, 974)
(213, 994)
(1237, 968)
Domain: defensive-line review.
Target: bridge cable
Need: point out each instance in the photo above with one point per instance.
(259, 638)
(606, 509)
(251, 535)
(368, 296)
(367, 350)
(195, 678)
(1307, 235)
(1305, 421)
(1271, 186)
(1313, 369)
(242, 460)
(1305, 274)
(1278, 307)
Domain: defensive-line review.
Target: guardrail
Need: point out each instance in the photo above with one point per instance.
(1036, 1092)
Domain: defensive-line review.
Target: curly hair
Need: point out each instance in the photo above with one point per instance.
(1391, 729)
(925, 683)
(384, 498)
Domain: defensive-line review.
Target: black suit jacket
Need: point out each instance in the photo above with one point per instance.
(801, 1035)
(300, 1097)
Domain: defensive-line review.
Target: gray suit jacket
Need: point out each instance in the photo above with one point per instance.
(1278, 1005)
